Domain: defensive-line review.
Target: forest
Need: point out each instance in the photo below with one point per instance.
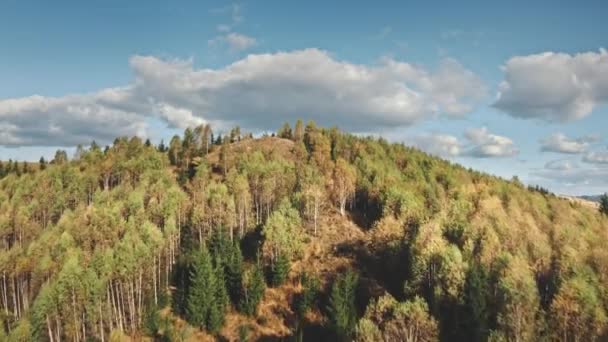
(306, 234)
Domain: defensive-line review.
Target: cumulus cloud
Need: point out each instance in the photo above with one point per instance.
(255, 92)
(560, 143)
(70, 120)
(554, 86)
(443, 145)
(591, 177)
(478, 143)
(596, 157)
(486, 145)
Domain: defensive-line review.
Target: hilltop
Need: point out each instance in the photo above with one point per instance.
(310, 233)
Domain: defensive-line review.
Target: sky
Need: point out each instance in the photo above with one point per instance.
(510, 88)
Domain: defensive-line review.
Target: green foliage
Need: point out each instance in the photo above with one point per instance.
(207, 297)
(310, 292)
(253, 291)
(342, 309)
(604, 204)
(283, 232)
(389, 320)
(91, 240)
(280, 270)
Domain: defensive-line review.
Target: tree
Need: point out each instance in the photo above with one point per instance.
(298, 132)
(313, 194)
(604, 204)
(344, 178)
(175, 150)
(388, 320)
(253, 291)
(518, 301)
(280, 270)
(61, 157)
(342, 309)
(285, 131)
(202, 303)
(577, 313)
(282, 232)
(161, 146)
(42, 163)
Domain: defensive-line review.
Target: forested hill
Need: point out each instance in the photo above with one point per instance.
(312, 234)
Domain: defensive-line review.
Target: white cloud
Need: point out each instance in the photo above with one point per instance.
(239, 42)
(443, 145)
(560, 143)
(593, 178)
(255, 92)
(179, 117)
(596, 157)
(479, 143)
(235, 42)
(70, 120)
(561, 164)
(486, 144)
(554, 86)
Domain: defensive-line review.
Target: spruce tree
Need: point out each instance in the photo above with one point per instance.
(342, 309)
(253, 292)
(280, 270)
(220, 303)
(202, 290)
(234, 273)
(604, 204)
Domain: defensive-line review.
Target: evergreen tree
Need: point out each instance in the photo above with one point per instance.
(280, 270)
(234, 273)
(161, 147)
(604, 204)
(202, 291)
(310, 292)
(342, 309)
(476, 295)
(253, 291)
(285, 131)
(42, 163)
(220, 302)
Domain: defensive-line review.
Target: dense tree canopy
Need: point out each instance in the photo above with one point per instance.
(369, 240)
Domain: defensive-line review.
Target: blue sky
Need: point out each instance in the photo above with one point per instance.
(512, 88)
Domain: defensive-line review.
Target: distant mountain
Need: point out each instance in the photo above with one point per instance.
(592, 198)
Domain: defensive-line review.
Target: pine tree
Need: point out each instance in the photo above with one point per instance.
(202, 290)
(253, 292)
(280, 270)
(220, 303)
(285, 131)
(234, 273)
(42, 163)
(342, 309)
(604, 204)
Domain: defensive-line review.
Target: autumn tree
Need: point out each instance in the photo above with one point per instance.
(298, 131)
(285, 131)
(343, 183)
(388, 320)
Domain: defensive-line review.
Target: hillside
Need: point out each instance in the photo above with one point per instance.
(312, 234)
